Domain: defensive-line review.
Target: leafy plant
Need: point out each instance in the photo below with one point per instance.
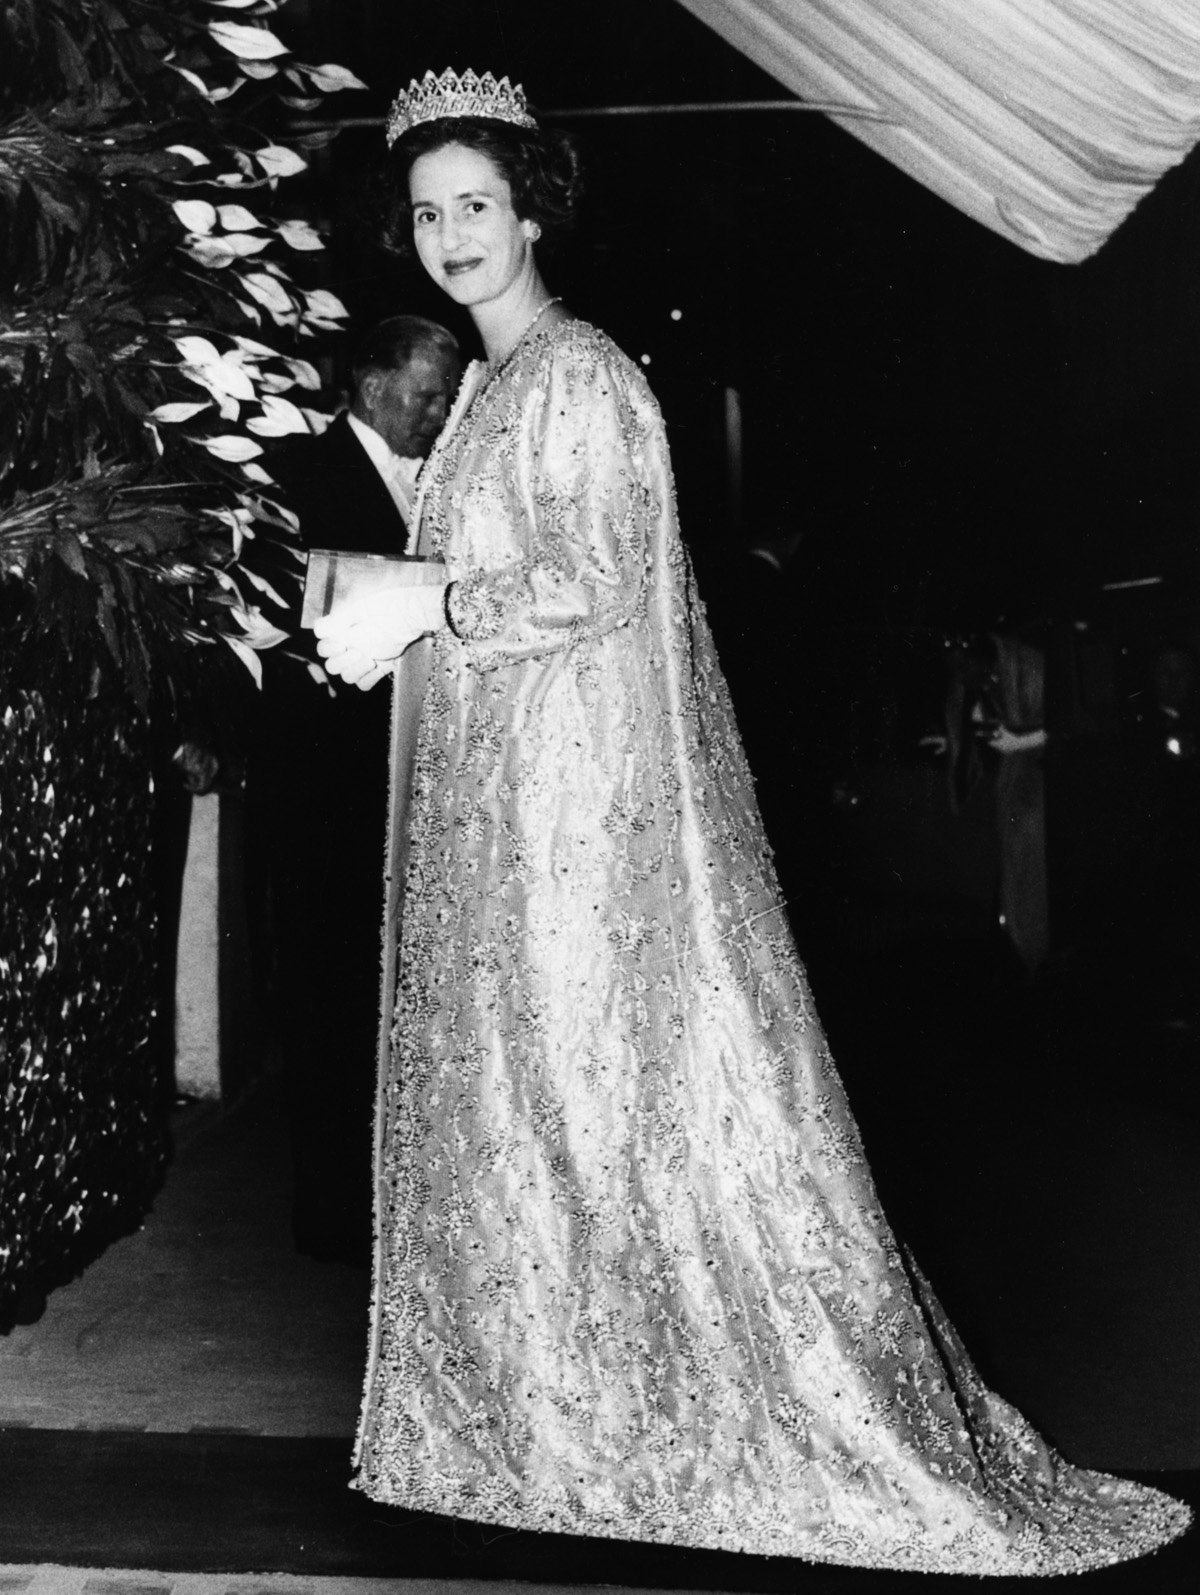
(151, 327)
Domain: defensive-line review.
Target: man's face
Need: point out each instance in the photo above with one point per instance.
(408, 407)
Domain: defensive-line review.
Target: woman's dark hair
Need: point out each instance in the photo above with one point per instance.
(541, 166)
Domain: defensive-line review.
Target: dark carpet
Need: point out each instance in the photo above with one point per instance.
(239, 1503)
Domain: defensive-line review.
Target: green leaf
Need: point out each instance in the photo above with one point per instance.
(106, 610)
(69, 549)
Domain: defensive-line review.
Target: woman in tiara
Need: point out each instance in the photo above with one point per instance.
(632, 1276)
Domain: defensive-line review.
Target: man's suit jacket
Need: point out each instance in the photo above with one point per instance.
(340, 497)
(317, 790)
(342, 502)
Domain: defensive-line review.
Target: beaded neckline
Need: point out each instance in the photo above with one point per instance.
(469, 400)
(555, 299)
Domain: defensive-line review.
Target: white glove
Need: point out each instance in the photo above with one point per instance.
(361, 639)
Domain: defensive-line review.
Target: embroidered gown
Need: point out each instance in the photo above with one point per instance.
(632, 1277)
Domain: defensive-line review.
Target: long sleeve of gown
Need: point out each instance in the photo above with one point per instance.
(585, 476)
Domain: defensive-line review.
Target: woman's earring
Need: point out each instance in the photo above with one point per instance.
(535, 232)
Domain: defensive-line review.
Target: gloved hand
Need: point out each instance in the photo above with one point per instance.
(360, 640)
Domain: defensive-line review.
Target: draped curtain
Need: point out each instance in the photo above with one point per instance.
(1047, 120)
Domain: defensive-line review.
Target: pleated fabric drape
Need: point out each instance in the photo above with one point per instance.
(1047, 120)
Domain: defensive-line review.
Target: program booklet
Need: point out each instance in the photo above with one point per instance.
(334, 576)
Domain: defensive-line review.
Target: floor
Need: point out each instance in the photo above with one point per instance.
(179, 1422)
(52, 1580)
(207, 1319)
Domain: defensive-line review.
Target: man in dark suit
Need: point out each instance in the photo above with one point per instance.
(353, 487)
(318, 789)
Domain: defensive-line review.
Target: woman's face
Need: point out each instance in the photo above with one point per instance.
(468, 237)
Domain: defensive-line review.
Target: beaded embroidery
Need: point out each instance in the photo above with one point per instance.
(472, 612)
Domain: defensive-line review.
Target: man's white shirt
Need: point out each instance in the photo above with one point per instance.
(399, 475)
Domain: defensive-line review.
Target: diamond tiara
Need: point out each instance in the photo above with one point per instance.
(434, 98)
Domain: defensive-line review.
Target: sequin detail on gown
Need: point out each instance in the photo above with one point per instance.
(633, 1277)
